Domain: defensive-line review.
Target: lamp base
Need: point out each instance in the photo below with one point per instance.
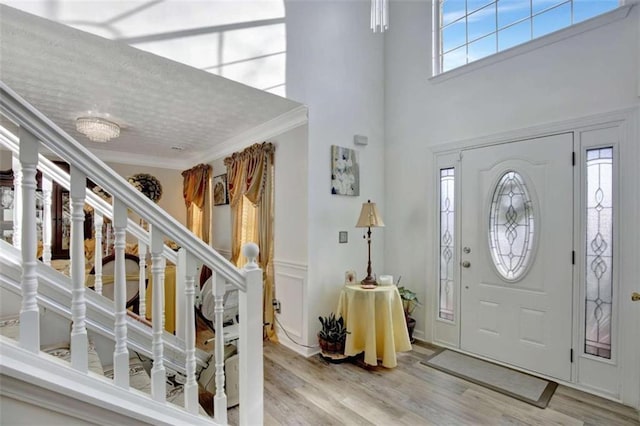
(368, 282)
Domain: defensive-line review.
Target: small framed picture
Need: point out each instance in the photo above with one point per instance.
(220, 191)
(343, 237)
(350, 277)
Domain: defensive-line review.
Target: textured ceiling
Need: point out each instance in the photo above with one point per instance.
(159, 103)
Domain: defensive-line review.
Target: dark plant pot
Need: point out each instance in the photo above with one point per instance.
(331, 347)
(411, 325)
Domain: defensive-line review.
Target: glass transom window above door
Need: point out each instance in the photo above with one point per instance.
(511, 226)
(468, 30)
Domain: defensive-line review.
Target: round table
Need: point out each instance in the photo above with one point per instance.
(375, 321)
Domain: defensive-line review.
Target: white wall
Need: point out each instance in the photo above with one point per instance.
(593, 72)
(171, 180)
(335, 65)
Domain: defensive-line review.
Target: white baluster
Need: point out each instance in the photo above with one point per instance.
(191, 386)
(108, 240)
(180, 287)
(142, 284)
(250, 344)
(79, 343)
(120, 354)
(29, 312)
(158, 372)
(17, 201)
(97, 252)
(220, 400)
(162, 286)
(47, 223)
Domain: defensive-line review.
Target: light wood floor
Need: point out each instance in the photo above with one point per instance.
(301, 391)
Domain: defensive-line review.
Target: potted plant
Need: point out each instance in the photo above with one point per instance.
(332, 336)
(409, 303)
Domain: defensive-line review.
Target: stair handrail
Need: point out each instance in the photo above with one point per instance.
(67, 148)
(51, 170)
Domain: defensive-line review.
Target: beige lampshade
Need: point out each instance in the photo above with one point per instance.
(369, 216)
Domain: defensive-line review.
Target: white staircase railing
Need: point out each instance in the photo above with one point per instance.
(36, 130)
(101, 209)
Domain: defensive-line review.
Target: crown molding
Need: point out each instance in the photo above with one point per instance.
(279, 125)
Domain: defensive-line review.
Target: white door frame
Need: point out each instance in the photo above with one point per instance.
(627, 363)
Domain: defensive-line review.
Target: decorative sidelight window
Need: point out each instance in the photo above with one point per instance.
(447, 186)
(599, 252)
(511, 226)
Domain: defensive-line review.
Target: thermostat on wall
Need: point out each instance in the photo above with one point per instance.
(360, 140)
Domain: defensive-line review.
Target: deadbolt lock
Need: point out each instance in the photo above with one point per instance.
(467, 250)
(635, 296)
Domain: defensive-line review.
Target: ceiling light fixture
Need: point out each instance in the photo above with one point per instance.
(379, 15)
(97, 129)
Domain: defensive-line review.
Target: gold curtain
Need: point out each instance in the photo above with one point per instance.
(250, 175)
(195, 191)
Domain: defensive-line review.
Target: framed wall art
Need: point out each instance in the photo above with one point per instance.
(345, 171)
(220, 190)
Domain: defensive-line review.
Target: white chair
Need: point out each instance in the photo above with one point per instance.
(231, 334)
(132, 271)
(230, 328)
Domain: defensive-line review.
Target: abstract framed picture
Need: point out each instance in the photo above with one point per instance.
(345, 171)
(220, 190)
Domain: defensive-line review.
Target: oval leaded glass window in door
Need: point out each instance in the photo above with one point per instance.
(511, 226)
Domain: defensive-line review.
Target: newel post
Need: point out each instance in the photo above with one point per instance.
(250, 344)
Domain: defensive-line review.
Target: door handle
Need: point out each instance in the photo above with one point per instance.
(466, 264)
(635, 296)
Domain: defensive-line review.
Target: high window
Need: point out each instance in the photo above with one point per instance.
(469, 30)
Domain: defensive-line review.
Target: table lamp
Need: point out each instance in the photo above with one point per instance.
(369, 218)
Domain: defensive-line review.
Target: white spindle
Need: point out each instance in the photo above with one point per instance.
(162, 286)
(191, 386)
(79, 343)
(220, 400)
(158, 372)
(250, 344)
(29, 312)
(180, 314)
(108, 240)
(17, 200)
(97, 251)
(120, 354)
(142, 283)
(47, 223)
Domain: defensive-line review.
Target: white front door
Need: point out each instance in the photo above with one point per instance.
(517, 241)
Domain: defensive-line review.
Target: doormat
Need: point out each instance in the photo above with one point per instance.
(522, 386)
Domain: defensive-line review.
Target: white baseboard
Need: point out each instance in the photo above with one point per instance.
(290, 344)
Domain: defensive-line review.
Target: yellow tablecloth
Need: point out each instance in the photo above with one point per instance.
(169, 298)
(375, 320)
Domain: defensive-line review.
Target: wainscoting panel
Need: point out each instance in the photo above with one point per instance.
(290, 290)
